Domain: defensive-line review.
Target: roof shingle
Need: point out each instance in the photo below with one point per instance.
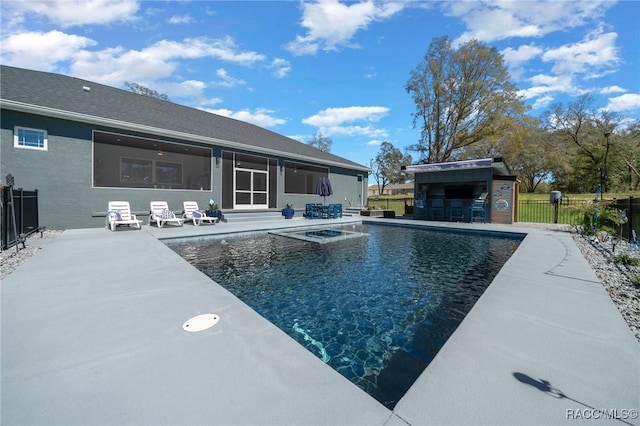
(67, 94)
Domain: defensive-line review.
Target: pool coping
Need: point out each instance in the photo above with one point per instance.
(91, 333)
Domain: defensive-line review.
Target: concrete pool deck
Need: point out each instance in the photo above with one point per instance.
(92, 334)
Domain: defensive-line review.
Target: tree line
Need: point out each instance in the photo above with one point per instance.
(467, 108)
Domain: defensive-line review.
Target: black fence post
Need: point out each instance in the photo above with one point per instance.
(630, 220)
(5, 217)
(19, 211)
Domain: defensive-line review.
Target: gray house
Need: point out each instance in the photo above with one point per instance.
(82, 144)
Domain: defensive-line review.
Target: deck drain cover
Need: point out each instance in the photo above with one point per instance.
(200, 322)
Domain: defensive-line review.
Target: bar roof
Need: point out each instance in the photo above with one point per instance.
(483, 163)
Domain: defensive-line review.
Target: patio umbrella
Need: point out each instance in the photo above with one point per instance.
(323, 188)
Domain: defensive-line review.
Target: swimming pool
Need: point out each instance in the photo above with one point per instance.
(376, 308)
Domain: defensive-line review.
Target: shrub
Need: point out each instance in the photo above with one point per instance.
(626, 259)
(597, 219)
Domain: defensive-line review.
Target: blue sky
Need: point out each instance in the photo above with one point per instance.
(339, 68)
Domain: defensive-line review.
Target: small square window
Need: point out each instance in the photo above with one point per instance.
(24, 137)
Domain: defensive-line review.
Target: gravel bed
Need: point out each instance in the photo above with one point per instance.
(622, 282)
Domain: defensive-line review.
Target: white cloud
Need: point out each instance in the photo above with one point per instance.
(338, 116)
(67, 13)
(593, 56)
(496, 20)
(225, 80)
(115, 65)
(331, 24)
(41, 51)
(542, 102)
(612, 89)
(180, 19)
(300, 138)
(261, 116)
(516, 57)
(375, 142)
(368, 131)
(190, 90)
(340, 121)
(224, 49)
(626, 102)
(184, 89)
(547, 80)
(281, 67)
(545, 87)
(209, 102)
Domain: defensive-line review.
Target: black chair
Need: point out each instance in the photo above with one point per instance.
(478, 211)
(437, 209)
(308, 210)
(338, 210)
(316, 211)
(456, 210)
(331, 211)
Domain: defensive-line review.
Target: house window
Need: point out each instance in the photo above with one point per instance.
(24, 137)
(123, 161)
(138, 171)
(300, 178)
(134, 171)
(168, 173)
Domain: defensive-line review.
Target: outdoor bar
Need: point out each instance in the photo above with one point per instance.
(465, 191)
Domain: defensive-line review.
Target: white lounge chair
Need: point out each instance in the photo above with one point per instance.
(160, 214)
(191, 207)
(119, 213)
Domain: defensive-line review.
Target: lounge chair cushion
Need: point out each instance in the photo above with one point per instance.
(167, 214)
(114, 215)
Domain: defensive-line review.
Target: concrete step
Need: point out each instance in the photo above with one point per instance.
(252, 216)
(248, 216)
(353, 211)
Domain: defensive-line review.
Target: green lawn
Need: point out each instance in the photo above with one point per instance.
(523, 196)
(531, 207)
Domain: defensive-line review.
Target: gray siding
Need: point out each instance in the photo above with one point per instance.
(63, 176)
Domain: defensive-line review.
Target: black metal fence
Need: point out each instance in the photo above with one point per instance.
(19, 215)
(572, 212)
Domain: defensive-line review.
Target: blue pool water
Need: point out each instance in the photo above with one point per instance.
(375, 308)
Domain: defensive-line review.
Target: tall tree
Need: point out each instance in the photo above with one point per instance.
(320, 141)
(142, 90)
(592, 132)
(460, 96)
(531, 159)
(627, 155)
(387, 166)
(525, 151)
